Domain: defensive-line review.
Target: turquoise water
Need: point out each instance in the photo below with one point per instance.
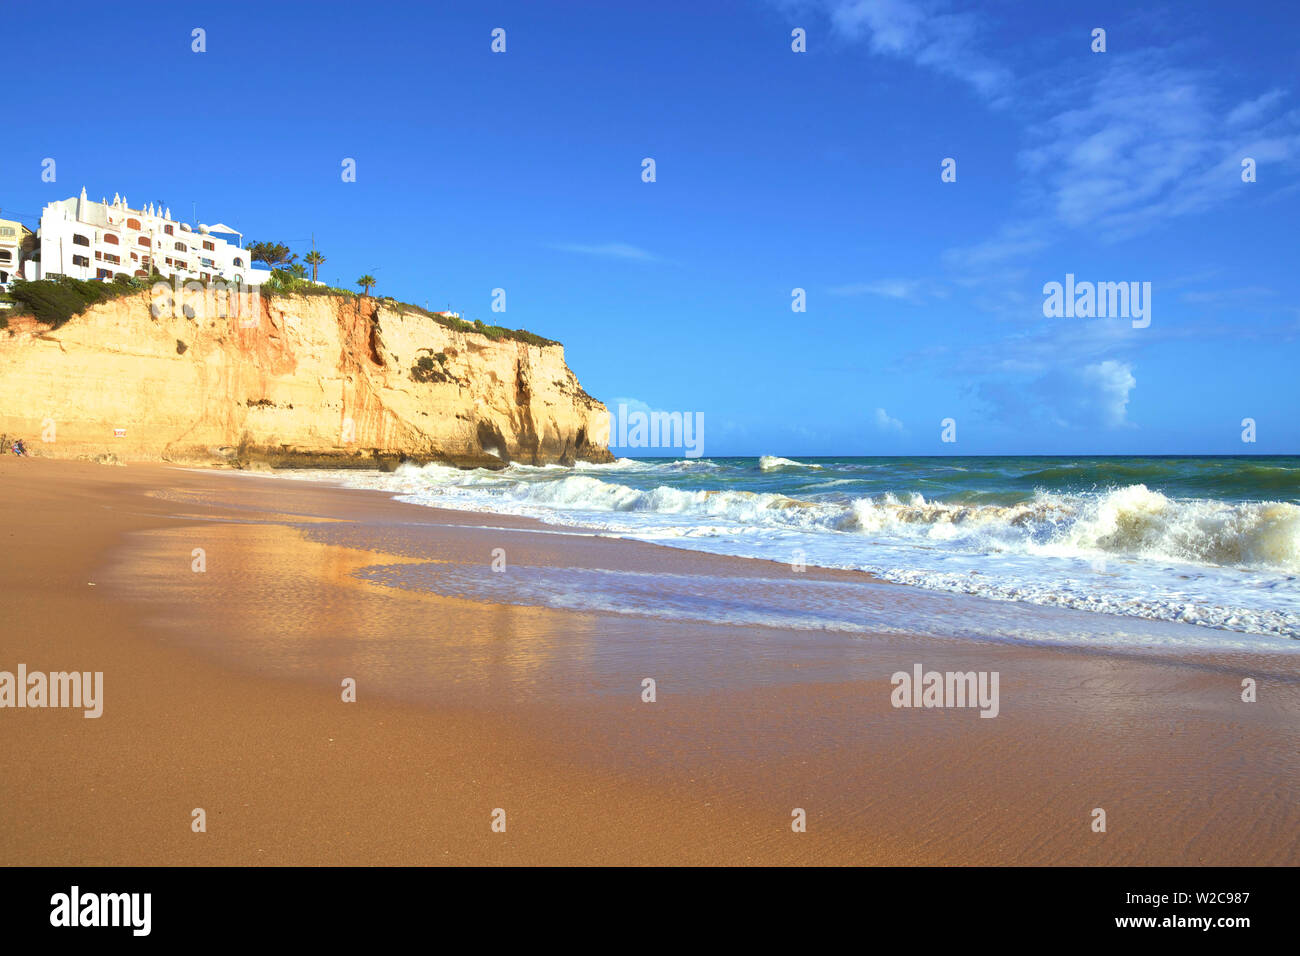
(986, 480)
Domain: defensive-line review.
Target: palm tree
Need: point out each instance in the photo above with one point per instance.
(313, 259)
(366, 282)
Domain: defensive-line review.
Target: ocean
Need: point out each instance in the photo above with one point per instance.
(1212, 542)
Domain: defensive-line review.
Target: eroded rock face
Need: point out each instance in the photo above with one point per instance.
(299, 380)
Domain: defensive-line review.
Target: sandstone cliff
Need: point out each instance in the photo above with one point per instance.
(297, 380)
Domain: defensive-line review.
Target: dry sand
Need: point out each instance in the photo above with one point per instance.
(222, 691)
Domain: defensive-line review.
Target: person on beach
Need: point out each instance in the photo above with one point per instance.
(19, 448)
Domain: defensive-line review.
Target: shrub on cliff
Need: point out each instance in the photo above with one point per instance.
(493, 332)
(283, 282)
(56, 300)
(432, 368)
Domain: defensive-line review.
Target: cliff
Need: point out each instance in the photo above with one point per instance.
(316, 380)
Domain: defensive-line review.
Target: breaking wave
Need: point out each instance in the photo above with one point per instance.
(1132, 521)
(772, 463)
(1037, 531)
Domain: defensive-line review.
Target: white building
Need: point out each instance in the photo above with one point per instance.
(12, 235)
(99, 240)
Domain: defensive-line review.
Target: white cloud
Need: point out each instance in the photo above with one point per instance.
(1012, 241)
(631, 404)
(1116, 151)
(1147, 141)
(1228, 297)
(1252, 111)
(1106, 388)
(909, 290)
(608, 250)
(944, 42)
(1092, 396)
(885, 423)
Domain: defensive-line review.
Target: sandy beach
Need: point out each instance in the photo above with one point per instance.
(222, 692)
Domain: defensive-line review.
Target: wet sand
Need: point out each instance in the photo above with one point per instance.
(222, 691)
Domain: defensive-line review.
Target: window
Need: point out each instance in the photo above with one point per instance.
(6, 255)
(168, 230)
(205, 276)
(238, 261)
(210, 247)
(144, 241)
(83, 261)
(181, 264)
(207, 263)
(180, 247)
(141, 274)
(110, 239)
(79, 240)
(103, 273)
(133, 224)
(7, 231)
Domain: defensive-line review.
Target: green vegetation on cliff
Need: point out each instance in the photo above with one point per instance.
(283, 282)
(494, 332)
(56, 300)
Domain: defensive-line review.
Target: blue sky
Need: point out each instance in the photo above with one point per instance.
(775, 170)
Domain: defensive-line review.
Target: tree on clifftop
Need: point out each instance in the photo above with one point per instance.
(367, 282)
(272, 253)
(315, 260)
